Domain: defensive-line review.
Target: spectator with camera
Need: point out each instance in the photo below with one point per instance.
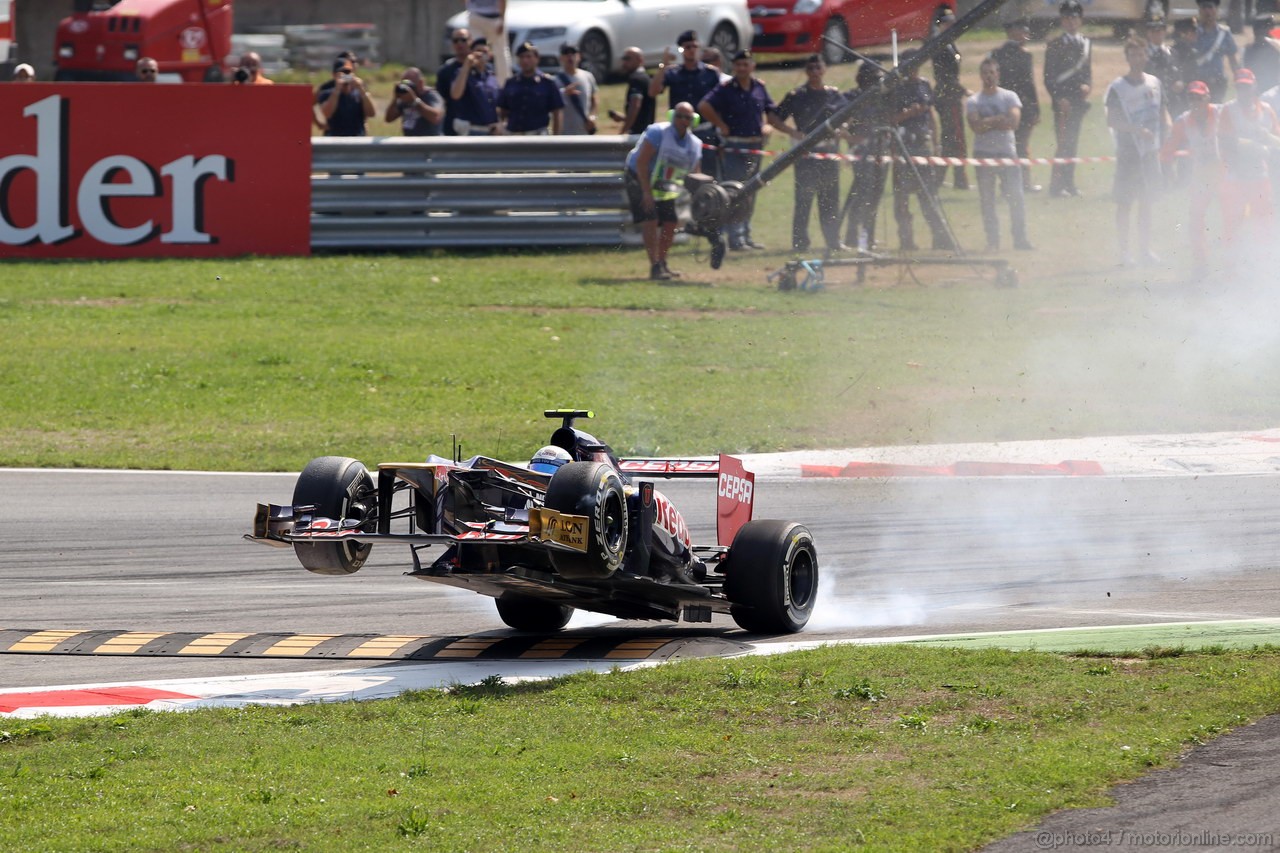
(475, 93)
(417, 106)
(530, 103)
(250, 71)
(580, 93)
(346, 105)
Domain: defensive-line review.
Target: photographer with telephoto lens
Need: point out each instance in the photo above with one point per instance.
(418, 106)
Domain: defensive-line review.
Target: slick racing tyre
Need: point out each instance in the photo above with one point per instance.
(771, 577)
(592, 489)
(338, 488)
(532, 614)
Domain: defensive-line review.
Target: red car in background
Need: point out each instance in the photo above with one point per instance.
(797, 26)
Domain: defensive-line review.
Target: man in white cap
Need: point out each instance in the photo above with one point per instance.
(24, 73)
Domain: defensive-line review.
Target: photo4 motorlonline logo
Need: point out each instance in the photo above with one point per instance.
(106, 170)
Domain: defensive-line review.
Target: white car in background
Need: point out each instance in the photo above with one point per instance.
(602, 29)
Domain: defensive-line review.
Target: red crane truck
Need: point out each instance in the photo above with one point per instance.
(103, 40)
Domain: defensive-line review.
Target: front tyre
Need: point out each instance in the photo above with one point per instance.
(532, 614)
(338, 487)
(594, 490)
(771, 577)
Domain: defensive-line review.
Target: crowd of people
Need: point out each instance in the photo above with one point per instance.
(1197, 112)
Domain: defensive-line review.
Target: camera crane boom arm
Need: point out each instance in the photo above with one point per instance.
(714, 205)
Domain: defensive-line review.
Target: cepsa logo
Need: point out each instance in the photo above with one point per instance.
(736, 488)
(126, 170)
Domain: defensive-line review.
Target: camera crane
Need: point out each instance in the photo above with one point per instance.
(715, 204)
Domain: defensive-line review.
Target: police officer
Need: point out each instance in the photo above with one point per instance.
(690, 79)
(809, 106)
(739, 109)
(1018, 76)
(1215, 50)
(530, 102)
(1068, 77)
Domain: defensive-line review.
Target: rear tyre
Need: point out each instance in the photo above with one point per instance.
(594, 490)
(724, 38)
(771, 577)
(532, 614)
(597, 56)
(338, 487)
(837, 31)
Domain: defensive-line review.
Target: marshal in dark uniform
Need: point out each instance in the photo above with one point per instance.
(949, 95)
(807, 107)
(1018, 75)
(1068, 78)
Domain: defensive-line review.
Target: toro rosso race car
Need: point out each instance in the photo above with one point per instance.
(576, 528)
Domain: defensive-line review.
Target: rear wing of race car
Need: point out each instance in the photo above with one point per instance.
(735, 492)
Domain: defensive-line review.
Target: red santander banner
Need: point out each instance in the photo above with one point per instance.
(128, 170)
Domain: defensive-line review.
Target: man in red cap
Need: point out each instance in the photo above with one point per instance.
(1247, 132)
(1195, 135)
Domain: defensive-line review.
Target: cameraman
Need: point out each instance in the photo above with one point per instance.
(417, 105)
(347, 105)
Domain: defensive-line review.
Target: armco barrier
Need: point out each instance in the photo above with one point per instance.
(400, 192)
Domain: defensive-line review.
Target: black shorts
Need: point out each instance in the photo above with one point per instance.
(663, 211)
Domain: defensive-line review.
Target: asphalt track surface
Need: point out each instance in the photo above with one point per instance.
(162, 552)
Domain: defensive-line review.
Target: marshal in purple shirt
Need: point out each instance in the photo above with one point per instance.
(743, 110)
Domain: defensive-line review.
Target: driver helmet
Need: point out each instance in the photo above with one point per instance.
(549, 459)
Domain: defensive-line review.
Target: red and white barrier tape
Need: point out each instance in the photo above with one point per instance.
(923, 160)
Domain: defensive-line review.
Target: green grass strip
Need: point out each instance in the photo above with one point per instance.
(877, 748)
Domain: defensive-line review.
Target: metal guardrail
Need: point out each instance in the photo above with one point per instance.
(400, 192)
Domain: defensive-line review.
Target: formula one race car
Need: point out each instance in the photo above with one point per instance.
(576, 528)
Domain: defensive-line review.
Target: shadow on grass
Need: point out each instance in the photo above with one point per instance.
(643, 279)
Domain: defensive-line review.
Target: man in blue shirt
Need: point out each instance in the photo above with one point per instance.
(460, 39)
(475, 94)
(346, 105)
(530, 100)
(738, 109)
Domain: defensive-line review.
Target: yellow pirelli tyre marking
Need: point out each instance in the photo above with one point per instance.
(43, 641)
(387, 646)
(637, 649)
(129, 642)
(298, 645)
(465, 648)
(551, 649)
(211, 644)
